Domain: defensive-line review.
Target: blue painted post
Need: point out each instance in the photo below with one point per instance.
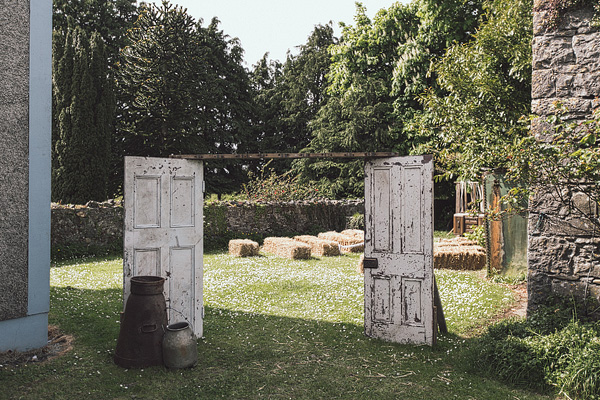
(25, 145)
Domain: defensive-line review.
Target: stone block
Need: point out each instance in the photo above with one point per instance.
(577, 107)
(586, 85)
(584, 204)
(550, 200)
(543, 84)
(578, 20)
(550, 254)
(549, 51)
(586, 48)
(563, 288)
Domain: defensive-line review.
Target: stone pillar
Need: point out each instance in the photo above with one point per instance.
(566, 67)
(25, 140)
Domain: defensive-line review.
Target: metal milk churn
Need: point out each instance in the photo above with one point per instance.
(179, 346)
(142, 324)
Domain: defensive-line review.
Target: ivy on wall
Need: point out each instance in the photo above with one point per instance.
(555, 9)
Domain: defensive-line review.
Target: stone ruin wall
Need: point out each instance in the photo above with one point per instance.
(566, 68)
(100, 225)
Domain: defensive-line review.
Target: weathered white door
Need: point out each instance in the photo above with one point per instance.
(163, 231)
(399, 249)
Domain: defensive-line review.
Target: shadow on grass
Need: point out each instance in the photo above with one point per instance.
(246, 356)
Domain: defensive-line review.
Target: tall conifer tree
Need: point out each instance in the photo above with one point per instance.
(83, 111)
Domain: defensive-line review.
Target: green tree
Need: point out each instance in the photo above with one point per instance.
(106, 22)
(111, 19)
(289, 95)
(485, 89)
(265, 77)
(183, 89)
(378, 69)
(83, 106)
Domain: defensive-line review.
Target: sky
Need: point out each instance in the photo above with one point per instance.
(274, 26)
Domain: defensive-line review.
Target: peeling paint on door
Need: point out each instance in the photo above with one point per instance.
(163, 231)
(399, 234)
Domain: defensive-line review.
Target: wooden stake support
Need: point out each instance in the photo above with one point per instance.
(437, 301)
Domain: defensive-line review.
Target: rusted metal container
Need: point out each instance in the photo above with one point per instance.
(142, 324)
(179, 346)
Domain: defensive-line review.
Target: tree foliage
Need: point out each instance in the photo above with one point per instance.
(378, 69)
(110, 19)
(83, 94)
(83, 109)
(289, 95)
(182, 89)
(473, 121)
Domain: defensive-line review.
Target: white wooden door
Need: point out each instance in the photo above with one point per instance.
(163, 231)
(399, 249)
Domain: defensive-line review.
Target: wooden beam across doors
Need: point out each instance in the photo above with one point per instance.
(263, 156)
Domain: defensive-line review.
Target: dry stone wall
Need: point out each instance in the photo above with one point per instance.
(563, 252)
(97, 227)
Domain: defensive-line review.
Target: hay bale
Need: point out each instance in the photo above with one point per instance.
(319, 247)
(357, 233)
(344, 240)
(457, 241)
(286, 247)
(467, 258)
(243, 248)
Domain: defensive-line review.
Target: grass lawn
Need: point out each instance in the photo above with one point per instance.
(273, 329)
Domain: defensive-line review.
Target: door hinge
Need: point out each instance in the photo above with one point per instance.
(371, 263)
(203, 186)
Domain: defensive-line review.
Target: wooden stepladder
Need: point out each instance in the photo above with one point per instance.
(399, 280)
(164, 232)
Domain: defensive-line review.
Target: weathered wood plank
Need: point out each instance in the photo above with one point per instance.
(263, 156)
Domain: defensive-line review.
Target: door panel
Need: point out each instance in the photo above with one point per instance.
(163, 231)
(399, 234)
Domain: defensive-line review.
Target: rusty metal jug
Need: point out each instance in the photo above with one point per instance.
(179, 346)
(142, 324)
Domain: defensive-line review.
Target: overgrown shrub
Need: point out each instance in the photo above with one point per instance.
(477, 235)
(357, 221)
(269, 186)
(551, 349)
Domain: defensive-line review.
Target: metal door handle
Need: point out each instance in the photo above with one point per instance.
(371, 263)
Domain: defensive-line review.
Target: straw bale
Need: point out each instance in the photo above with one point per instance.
(286, 247)
(457, 241)
(344, 240)
(357, 233)
(243, 248)
(319, 247)
(459, 257)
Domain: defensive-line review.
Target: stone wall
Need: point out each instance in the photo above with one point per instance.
(90, 229)
(566, 68)
(99, 226)
(278, 219)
